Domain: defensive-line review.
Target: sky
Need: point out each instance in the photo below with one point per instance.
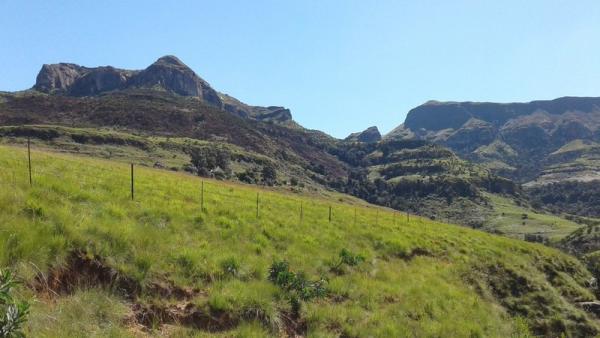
(340, 66)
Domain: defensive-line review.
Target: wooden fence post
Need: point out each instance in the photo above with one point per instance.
(202, 196)
(301, 212)
(330, 214)
(355, 216)
(132, 192)
(29, 161)
(257, 205)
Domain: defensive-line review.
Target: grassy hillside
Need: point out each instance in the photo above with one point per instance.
(518, 221)
(95, 261)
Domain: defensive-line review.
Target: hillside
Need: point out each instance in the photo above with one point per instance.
(155, 265)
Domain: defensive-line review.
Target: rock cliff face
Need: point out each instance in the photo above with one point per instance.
(58, 77)
(171, 74)
(166, 74)
(369, 135)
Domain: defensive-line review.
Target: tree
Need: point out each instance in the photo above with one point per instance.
(269, 174)
(206, 161)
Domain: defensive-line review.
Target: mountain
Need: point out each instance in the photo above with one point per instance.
(368, 135)
(527, 142)
(168, 73)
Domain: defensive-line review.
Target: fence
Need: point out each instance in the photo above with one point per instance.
(225, 193)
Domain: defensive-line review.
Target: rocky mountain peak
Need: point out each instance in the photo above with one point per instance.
(170, 74)
(170, 60)
(369, 135)
(60, 76)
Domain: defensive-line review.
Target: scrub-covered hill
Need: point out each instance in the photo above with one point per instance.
(257, 262)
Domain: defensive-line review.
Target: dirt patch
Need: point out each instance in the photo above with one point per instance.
(167, 289)
(293, 326)
(186, 314)
(415, 253)
(82, 271)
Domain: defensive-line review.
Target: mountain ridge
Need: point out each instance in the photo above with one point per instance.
(168, 73)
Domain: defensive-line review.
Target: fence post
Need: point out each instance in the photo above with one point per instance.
(257, 205)
(301, 212)
(202, 195)
(29, 161)
(132, 182)
(354, 216)
(408, 216)
(330, 214)
(377, 217)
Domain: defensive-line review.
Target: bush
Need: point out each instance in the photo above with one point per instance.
(347, 258)
(210, 162)
(269, 174)
(296, 285)
(13, 314)
(230, 266)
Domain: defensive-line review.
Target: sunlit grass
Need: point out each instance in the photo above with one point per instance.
(420, 278)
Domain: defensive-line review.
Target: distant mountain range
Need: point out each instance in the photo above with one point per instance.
(535, 143)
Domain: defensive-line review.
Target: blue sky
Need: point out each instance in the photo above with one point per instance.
(340, 66)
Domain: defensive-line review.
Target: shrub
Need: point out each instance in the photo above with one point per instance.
(208, 161)
(297, 287)
(347, 258)
(230, 266)
(13, 314)
(269, 174)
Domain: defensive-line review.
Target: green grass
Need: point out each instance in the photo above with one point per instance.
(420, 278)
(516, 221)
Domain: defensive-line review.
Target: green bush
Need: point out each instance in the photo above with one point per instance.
(13, 313)
(296, 285)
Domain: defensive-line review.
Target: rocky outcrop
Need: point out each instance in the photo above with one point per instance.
(99, 80)
(369, 135)
(271, 113)
(167, 73)
(58, 77)
(171, 74)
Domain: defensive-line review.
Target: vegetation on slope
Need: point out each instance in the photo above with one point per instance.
(572, 197)
(96, 261)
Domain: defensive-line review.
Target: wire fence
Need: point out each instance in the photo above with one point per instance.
(208, 195)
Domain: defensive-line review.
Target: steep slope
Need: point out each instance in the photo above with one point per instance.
(157, 113)
(156, 265)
